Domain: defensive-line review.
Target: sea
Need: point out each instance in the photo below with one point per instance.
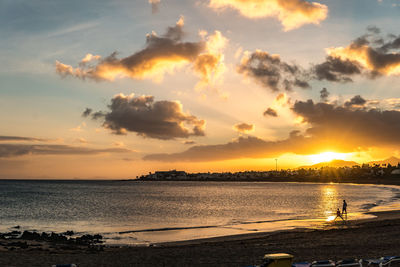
(141, 213)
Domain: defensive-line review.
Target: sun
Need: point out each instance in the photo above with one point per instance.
(327, 156)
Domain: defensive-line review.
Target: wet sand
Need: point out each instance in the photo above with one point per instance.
(371, 238)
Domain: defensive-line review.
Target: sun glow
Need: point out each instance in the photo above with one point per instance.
(328, 156)
(330, 218)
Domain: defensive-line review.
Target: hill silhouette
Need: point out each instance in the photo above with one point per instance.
(337, 163)
(392, 161)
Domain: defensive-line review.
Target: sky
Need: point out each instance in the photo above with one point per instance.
(118, 89)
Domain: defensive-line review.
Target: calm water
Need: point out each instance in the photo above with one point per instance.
(145, 212)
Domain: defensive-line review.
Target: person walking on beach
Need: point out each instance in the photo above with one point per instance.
(344, 208)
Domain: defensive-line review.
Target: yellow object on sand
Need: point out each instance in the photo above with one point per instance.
(278, 260)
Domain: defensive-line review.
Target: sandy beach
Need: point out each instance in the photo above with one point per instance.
(370, 238)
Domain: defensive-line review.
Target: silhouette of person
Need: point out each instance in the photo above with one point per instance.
(344, 208)
(338, 214)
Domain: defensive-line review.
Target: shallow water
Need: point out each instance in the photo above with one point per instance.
(130, 212)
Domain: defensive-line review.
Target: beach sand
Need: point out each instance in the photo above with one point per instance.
(370, 238)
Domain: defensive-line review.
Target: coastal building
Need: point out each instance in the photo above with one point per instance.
(168, 175)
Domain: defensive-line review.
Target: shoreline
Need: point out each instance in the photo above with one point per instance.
(368, 238)
(379, 217)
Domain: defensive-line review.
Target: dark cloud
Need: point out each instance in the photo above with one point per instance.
(21, 138)
(271, 72)
(87, 112)
(391, 45)
(243, 127)
(359, 127)
(94, 115)
(14, 150)
(369, 55)
(270, 112)
(324, 94)
(98, 114)
(162, 54)
(331, 127)
(373, 54)
(336, 70)
(355, 101)
(149, 118)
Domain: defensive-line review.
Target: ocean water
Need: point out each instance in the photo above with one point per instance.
(140, 213)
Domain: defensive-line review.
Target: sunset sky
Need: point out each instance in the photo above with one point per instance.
(116, 89)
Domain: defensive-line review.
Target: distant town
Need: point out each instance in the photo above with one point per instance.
(365, 173)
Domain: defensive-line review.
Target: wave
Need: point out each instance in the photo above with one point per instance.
(230, 225)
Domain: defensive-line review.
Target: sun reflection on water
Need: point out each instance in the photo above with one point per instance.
(329, 201)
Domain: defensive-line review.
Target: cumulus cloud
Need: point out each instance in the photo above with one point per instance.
(149, 118)
(355, 126)
(270, 112)
(344, 128)
(14, 150)
(291, 13)
(371, 53)
(271, 72)
(356, 101)
(154, 5)
(162, 54)
(335, 69)
(243, 127)
(210, 65)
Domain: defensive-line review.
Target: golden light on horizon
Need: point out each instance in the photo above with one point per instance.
(328, 156)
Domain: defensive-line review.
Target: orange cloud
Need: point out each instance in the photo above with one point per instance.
(210, 65)
(369, 58)
(244, 127)
(371, 53)
(162, 54)
(291, 13)
(89, 57)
